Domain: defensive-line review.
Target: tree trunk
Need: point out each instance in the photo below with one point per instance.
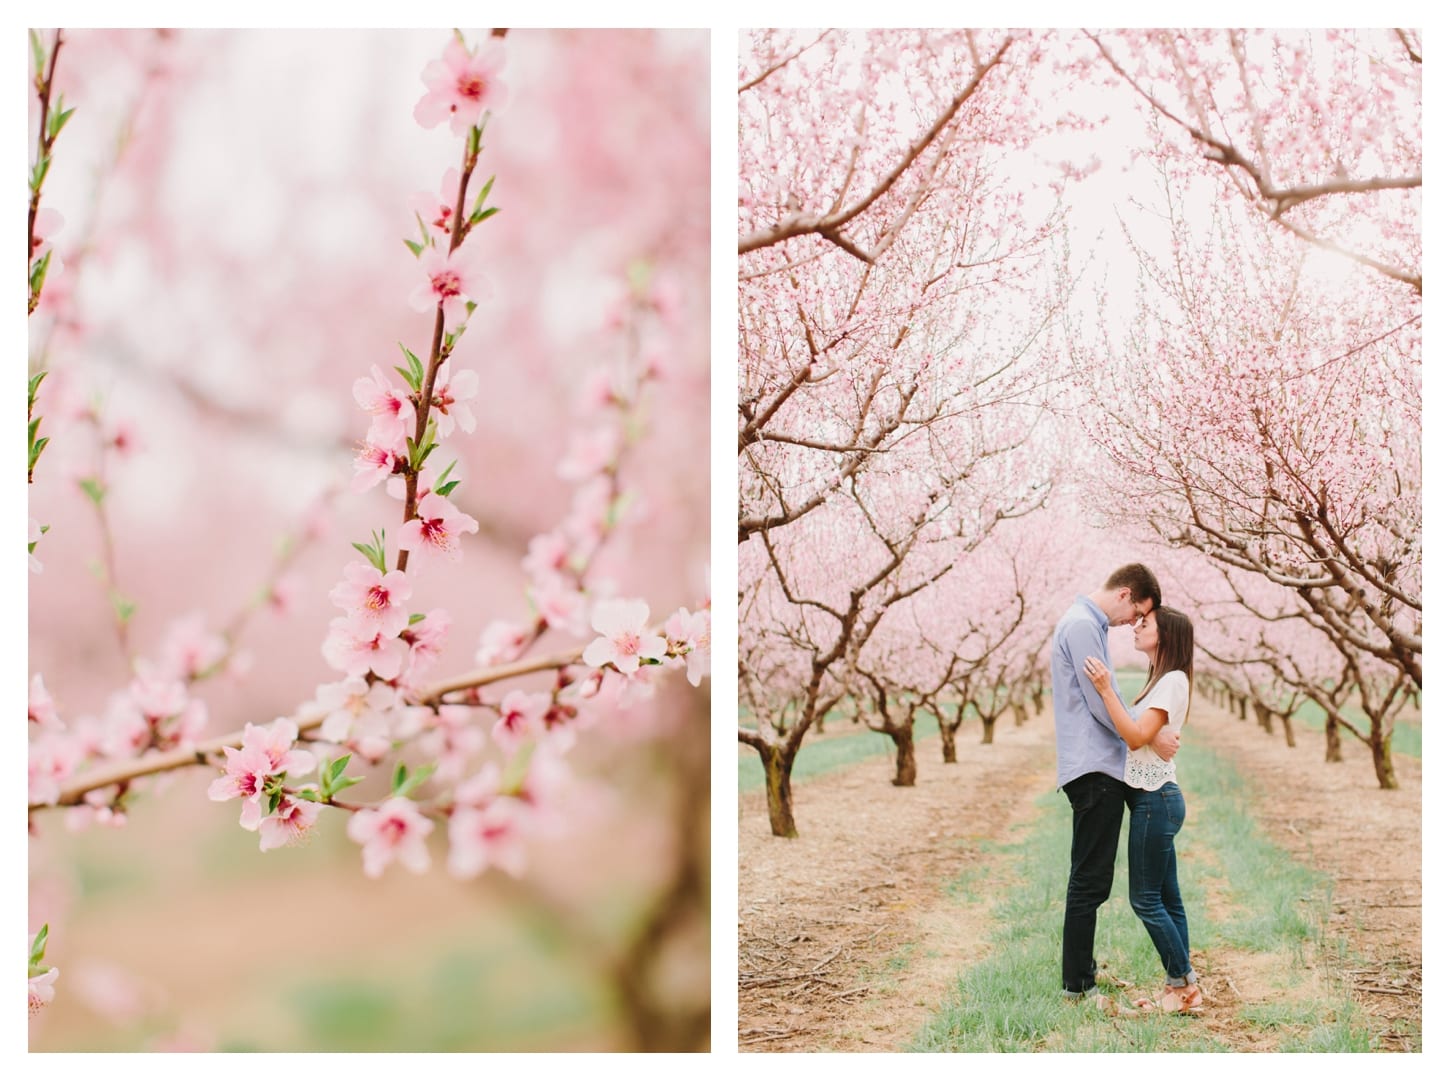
(905, 740)
(1243, 703)
(1037, 702)
(1265, 718)
(1288, 730)
(778, 762)
(1332, 749)
(948, 742)
(1379, 750)
(988, 723)
(1019, 713)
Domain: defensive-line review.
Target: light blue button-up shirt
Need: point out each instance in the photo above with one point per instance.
(1087, 741)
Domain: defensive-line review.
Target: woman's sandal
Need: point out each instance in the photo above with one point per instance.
(1187, 1000)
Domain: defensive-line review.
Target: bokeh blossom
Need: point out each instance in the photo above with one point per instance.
(462, 86)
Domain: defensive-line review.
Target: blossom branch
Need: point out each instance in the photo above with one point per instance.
(202, 753)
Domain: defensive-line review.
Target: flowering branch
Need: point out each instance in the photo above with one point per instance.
(204, 752)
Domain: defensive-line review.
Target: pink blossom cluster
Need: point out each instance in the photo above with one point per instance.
(156, 711)
(254, 774)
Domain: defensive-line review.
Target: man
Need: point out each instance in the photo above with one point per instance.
(1091, 757)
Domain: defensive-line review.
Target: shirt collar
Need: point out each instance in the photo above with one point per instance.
(1098, 613)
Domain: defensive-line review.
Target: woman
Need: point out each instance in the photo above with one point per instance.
(1154, 800)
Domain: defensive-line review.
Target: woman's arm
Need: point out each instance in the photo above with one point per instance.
(1135, 733)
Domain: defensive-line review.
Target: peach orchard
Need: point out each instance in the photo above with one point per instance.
(1018, 307)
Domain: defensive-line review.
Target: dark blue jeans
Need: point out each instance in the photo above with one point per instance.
(1097, 818)
(1154, 820)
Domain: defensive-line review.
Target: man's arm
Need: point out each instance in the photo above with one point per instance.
(1081, 641)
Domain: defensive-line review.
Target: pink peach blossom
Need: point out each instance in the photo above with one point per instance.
(590, 453)
(689, 636)
(395, 830)
(48, 222)
(247, 770)
(276, 741)
(452, 391)
(450, 280)
(189, 650)
(53, 757)
(356, 649)
(436, 529)
(42, 989)
(42, 706)
(372, 598)
(560, 603)
(501, 642)
(372, 465)
(548, 554)
(451, 739)
(356, 711)
(436, 209)
(491, 836)
(288, 823)
(425, 640)
(624, 639)
(462, 86)
(520, 719)
(391, 410)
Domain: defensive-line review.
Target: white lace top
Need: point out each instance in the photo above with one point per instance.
(1145, 769)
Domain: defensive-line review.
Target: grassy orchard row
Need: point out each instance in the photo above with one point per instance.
(1271, 908)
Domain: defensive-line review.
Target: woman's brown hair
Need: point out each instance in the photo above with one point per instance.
(1175, 649)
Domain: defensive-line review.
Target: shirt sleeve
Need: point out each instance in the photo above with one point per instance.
(1081, 642)
(1170, 695)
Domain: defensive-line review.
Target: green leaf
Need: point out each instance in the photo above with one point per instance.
(93, 488)
(334, 771)
(37, 945)
(446, 490)
(483, 215)
(38, 272)
(400, 775)
(411, 784)
(413, 246)
(273, 800)
(414, 374)
(482, 196)
(57, 119)
(343, 783)
(309, 794)
(124, 609)
(416, 617)
(38, 172)
(375, 556)
(35, 381)
(37, 53)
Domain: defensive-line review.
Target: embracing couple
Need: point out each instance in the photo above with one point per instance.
(1111, 756)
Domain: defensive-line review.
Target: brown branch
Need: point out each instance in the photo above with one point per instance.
(750, 84)
(112, 773)
(829, 224)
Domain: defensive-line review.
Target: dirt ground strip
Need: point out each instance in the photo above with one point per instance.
(849, 942)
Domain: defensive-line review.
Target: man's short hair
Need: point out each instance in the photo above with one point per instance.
(1140, 582)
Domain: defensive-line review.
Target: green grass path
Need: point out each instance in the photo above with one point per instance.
(1269, 915)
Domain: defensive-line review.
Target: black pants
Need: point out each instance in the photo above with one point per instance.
(1097, 818)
